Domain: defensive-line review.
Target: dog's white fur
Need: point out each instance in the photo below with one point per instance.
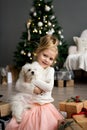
(22, 100)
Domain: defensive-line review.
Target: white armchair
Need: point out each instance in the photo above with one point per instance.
(77, 58)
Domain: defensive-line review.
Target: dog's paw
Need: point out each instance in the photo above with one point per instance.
(18, 120)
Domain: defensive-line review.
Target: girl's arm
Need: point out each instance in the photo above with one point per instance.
(37, 90)
(27, 87)
(48, 84)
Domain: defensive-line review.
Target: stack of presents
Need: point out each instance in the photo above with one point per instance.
(76, 111)
(64, 78)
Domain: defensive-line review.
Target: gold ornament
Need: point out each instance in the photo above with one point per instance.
(30, 58)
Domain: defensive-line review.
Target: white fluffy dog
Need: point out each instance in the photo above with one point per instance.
(22, 100)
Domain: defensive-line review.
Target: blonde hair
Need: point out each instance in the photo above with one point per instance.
(48, 42)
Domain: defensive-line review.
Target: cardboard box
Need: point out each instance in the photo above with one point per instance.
(65, 83)
(81, 120)
(60, 83)
(70, 83)
(5, 109)
(85, 104)
(73, 126)
(70, 107)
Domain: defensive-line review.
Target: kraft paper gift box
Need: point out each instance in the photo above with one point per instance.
(4, 109)
(73, 126)
(70, 107)
(70, 83)
(85, 104)
(65, 83)
(60, 83)
(81, 120)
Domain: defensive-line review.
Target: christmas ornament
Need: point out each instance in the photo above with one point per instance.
(51, 31)
(52, 17)
(49, 24)
(53, 25)
(62, 36)
(59, 32)
(22, 52)
(52, 6)
(47, 8)
(34, 14)
(32, 9)
(35, 30)
(39, 4)
(29, 54)
(60, 43)
(40, 32)
(40, 24)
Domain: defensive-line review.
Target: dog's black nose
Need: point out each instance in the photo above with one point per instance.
(32, 72)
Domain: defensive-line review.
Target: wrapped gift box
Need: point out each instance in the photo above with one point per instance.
(85, 104)
(60, 83)
(70, 107)
(66, 83)
(4, 109)
(70, 83)
(81, 120)
(73, 126)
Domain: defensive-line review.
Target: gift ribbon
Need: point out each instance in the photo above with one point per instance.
(83, 111)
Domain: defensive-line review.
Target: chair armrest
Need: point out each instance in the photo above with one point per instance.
(72, 49)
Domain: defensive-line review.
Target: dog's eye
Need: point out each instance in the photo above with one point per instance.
(29, 69)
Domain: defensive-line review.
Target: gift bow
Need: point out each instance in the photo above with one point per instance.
(74, 99)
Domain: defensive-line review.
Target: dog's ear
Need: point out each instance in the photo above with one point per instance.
(25, 68)
(22, 70)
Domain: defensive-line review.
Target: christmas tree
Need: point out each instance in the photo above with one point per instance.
(42, 21)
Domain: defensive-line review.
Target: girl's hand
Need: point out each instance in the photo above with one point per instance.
(37, 90)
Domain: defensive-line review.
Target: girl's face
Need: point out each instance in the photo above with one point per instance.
(46, 58)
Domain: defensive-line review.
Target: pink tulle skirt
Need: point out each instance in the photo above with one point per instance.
(40, 117)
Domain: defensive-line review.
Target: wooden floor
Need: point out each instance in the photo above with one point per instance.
(59, 93)
(64, 93)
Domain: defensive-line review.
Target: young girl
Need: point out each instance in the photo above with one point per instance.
(43, 115)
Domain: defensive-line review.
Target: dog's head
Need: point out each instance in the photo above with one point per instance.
(28, 72)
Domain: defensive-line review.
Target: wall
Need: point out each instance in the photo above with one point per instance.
(71, 15)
